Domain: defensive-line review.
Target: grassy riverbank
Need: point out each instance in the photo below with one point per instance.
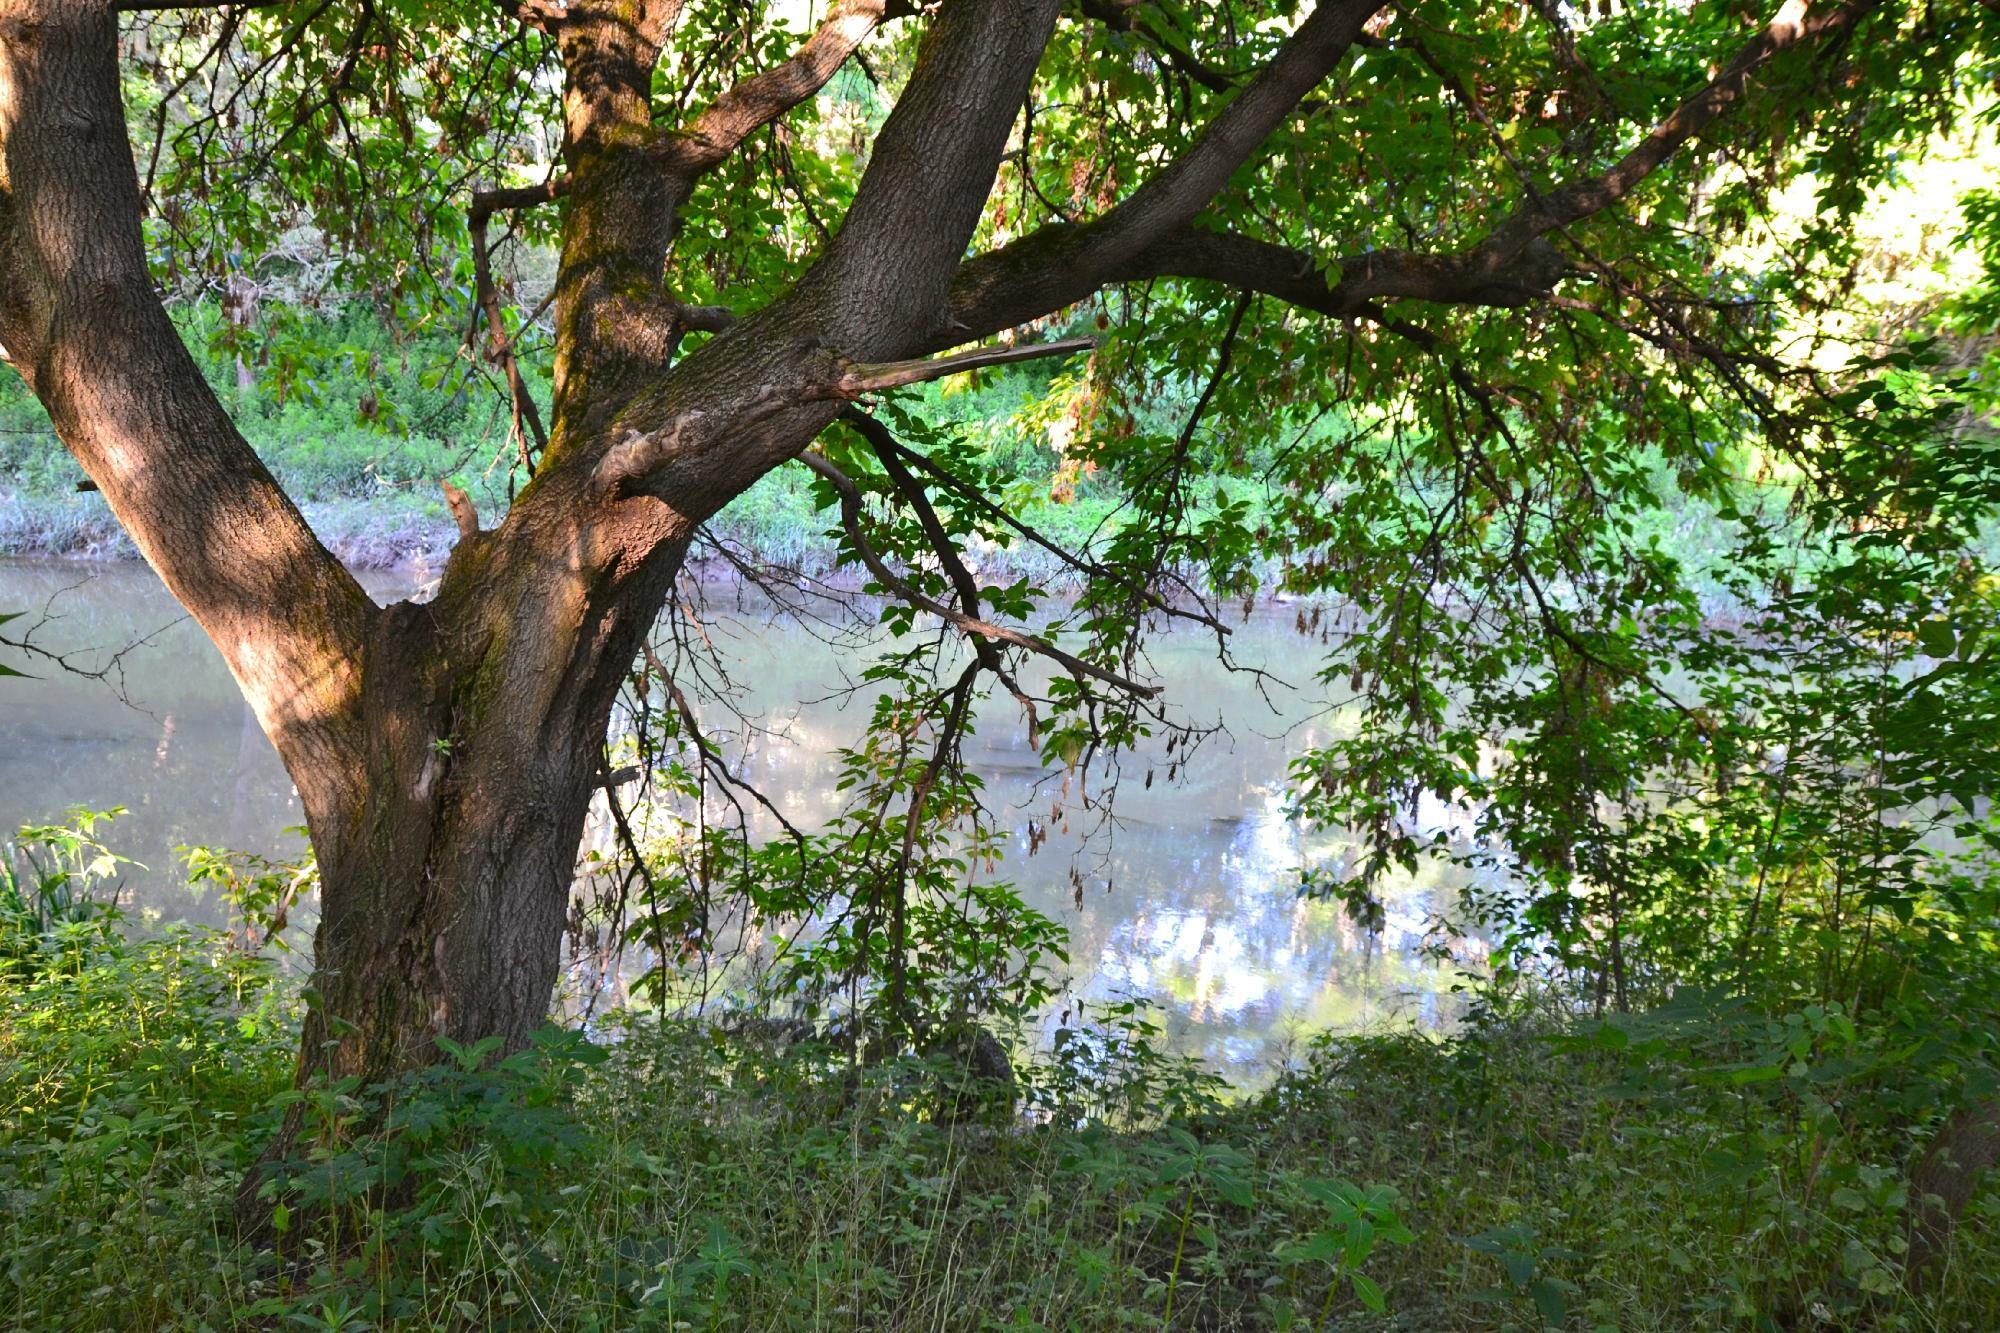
(1527, 1173)
(361, 427)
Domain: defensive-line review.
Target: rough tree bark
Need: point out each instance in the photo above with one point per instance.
(445, 752)
(404, 729)
(1945, 1182)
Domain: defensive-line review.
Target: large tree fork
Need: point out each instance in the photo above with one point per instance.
(445, 753)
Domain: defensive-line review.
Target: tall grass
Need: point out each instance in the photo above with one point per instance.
(1522, 1174)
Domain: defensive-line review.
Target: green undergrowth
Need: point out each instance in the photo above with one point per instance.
(1527, 1173)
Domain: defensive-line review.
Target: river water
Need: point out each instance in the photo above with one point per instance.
(1189, 902)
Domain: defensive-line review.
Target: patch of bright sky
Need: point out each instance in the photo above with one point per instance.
(1908, 235)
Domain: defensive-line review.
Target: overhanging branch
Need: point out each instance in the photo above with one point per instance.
(1515, 265)
(763, 98)
(1579, 199)
(983, 303)
(850, 517)
(1059, 265)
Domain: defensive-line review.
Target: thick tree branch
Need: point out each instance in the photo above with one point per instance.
(881, 283)
(609, 49)
(1181, 190)
(1515, 265)
(629, 180)
(623, 207)
(762, 98)
(1354, 281)
(816, 377)
(485, 203)
(981, 305)
(83, 324)
(768, 382)
(1061, 264)
(1588, 195)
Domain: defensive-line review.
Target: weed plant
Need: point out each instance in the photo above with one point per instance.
(1529, 1172)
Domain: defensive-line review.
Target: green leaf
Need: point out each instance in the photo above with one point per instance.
(1368, 1292)
(1548, 1298)
(1360, 1241)
(1233, 1189)
(1321, 1247)
(1938, 638)
(1755, 1074)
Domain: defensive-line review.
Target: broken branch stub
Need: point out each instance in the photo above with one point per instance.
(640, 454)
(857, 378)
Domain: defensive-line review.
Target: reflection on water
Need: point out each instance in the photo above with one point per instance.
(1189, 900)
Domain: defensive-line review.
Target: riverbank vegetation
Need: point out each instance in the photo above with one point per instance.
(1611, 392)
(1705, 1164)
(362, 422)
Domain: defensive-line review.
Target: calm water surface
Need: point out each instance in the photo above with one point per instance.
(1189, 901)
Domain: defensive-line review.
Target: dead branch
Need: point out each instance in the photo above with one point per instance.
(854, 379)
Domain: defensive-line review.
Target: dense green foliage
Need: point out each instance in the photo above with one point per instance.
(361, 427)
(1533, 1172)
(1675, 584)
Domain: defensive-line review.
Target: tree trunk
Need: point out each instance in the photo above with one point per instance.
(444, 895)
(445, 754)
(444, 891)
(1945, 1183)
